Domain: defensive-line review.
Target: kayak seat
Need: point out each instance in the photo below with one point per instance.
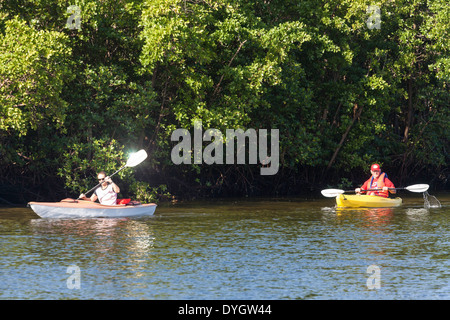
(127, 202)
(133, 203)
(122, 201)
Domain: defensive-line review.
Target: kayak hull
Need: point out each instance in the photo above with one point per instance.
(70, 208)
(365, 201)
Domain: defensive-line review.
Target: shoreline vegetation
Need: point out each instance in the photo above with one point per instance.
(344, 84)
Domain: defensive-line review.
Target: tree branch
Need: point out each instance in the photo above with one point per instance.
(356, 114)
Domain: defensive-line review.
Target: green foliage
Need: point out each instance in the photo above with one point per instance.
(344, 184)
(147, 194)
(34, 68)
(343, 95)
(81, 163)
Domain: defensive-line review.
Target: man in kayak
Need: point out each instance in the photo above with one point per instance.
(377, 181)
(106, 193)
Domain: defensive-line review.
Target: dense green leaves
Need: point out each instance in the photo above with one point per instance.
(342, 92)
(34, 68)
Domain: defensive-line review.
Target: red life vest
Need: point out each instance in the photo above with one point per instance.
(379, 185)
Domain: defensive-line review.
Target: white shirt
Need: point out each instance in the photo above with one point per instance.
(106, 196)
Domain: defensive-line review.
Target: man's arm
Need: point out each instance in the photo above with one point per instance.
(94, 197)
(114, 186)
(388, 183)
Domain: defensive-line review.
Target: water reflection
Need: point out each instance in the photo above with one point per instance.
(107, 234)
(372, 218)
(239, 250)
(119, 244)
(369, 231)
(417, 214)
(80, 227)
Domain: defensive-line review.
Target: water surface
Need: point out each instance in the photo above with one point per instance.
(231, 249)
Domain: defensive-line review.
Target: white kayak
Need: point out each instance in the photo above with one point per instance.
(70, 208)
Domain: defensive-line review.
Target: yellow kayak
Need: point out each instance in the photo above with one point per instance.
(365, 201)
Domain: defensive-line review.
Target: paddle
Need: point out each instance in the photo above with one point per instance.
(331, 193)
(134, 159)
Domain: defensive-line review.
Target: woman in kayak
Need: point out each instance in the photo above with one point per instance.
(106, 193)
(377, 181)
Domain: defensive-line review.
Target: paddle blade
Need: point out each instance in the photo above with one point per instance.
(136, 158)
(418, 188)
(331, 193)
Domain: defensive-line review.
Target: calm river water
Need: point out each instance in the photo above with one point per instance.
(233, 249)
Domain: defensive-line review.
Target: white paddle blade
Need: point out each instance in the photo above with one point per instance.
(136, 158)
(418, 188)
(331, 193)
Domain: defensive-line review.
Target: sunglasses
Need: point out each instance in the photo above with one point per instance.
(101, 179)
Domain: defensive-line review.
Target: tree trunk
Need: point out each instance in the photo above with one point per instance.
(409, 117)
(356, 114)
